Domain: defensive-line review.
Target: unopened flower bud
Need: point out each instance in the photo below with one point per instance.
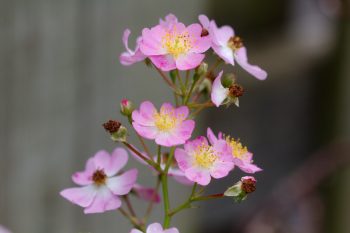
(126, 107)
(202, 69)
(117, 131)
(242, 188)
(228, 80)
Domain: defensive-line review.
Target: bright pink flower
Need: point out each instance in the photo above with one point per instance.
(218, 92)
(101, 187)
(156, 228)
(145, 193)
(239, 153)
(168, 127)
(201, 161)
(171, 45)
(130, 57)
(173, 171)
(230, 48)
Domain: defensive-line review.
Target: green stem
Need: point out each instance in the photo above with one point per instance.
(159, 154)
(170, 84)
(187, 98)
(134, 221)
(186, 204)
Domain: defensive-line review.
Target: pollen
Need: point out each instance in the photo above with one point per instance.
(238, 150)
(177, 43)
(205, 156)
(167, 120)
(99, 177)
(235, 43)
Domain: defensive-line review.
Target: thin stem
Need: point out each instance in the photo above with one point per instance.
(128, 203)
(165, 78)
(134, 221)
(187, 77)
(186, 204)
(202, 107)
(150, 162)
(159, 154)
(187, 98)
(209, 197)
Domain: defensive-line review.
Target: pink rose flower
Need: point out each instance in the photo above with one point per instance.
(130, 57)
(101, 187)
(168, 127)
(156, 228)
(241, 157)
(171, 45)
(230, 47)
(201, 161)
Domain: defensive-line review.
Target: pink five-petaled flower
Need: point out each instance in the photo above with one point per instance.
(201, 161)
(230, 47)
(239, 153)
(156, 228)
(101, 188)
(171, 45)
(168, 127)
(130, 57)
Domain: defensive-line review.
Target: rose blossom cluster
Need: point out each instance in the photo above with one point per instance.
(177, 52)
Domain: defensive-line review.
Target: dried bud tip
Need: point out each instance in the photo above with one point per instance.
(248, 184)
(236, 90)
(111, 126)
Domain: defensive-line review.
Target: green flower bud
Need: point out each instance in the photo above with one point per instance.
(126, 107)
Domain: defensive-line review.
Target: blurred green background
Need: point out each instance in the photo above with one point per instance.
(60, 79)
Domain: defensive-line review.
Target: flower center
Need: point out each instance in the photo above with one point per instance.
(235, 43)
(238, 150)
(166, 120)
(177, 44)
(205, 156)
(99, 177)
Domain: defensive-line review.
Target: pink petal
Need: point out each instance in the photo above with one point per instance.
(169, 22)
(191, 146)
(166, 108)
(200, 44)
(155, 228)
(221, 169)
(182, 111)
(121, 185)
(183, 180)
(169, 139)
(145, 116)
(82, 196)
(203, 19)
(84, 177)
(225, 53)
(118, 160)
(104, 201)
(151, 43)
(220, 35)
(249, 167)
(184, 161)
(171, 230)
(184, 131)
(219, 92)
(128, 59)
(211, 136)
(200, 176)
(125, 39)
(102, 159)
(242, 60)
(224, 150)
(149, 132)
(163, 62)
(147, 194)
(189, 61)
(4, 230)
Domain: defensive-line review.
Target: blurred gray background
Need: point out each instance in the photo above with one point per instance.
(60, 79)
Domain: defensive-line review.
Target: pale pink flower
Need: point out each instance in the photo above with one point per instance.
(145, 193)
(169, 126)
(240, 155)
(230, 48)
(169, 22)
(130, 57)
(173, 171)
(101, 187)
(171, 45)
(156, 228)
(201, 161)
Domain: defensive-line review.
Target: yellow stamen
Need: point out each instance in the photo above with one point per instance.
(167, 120)
(238, 150)
(205, 156)
(177, 44)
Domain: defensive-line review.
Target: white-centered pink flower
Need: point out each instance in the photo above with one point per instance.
(200, 161)
(101, 184)
(130, 57)
(156, 228)
(230, 47)
(240, 155)
(168, 127)
(171, 45)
